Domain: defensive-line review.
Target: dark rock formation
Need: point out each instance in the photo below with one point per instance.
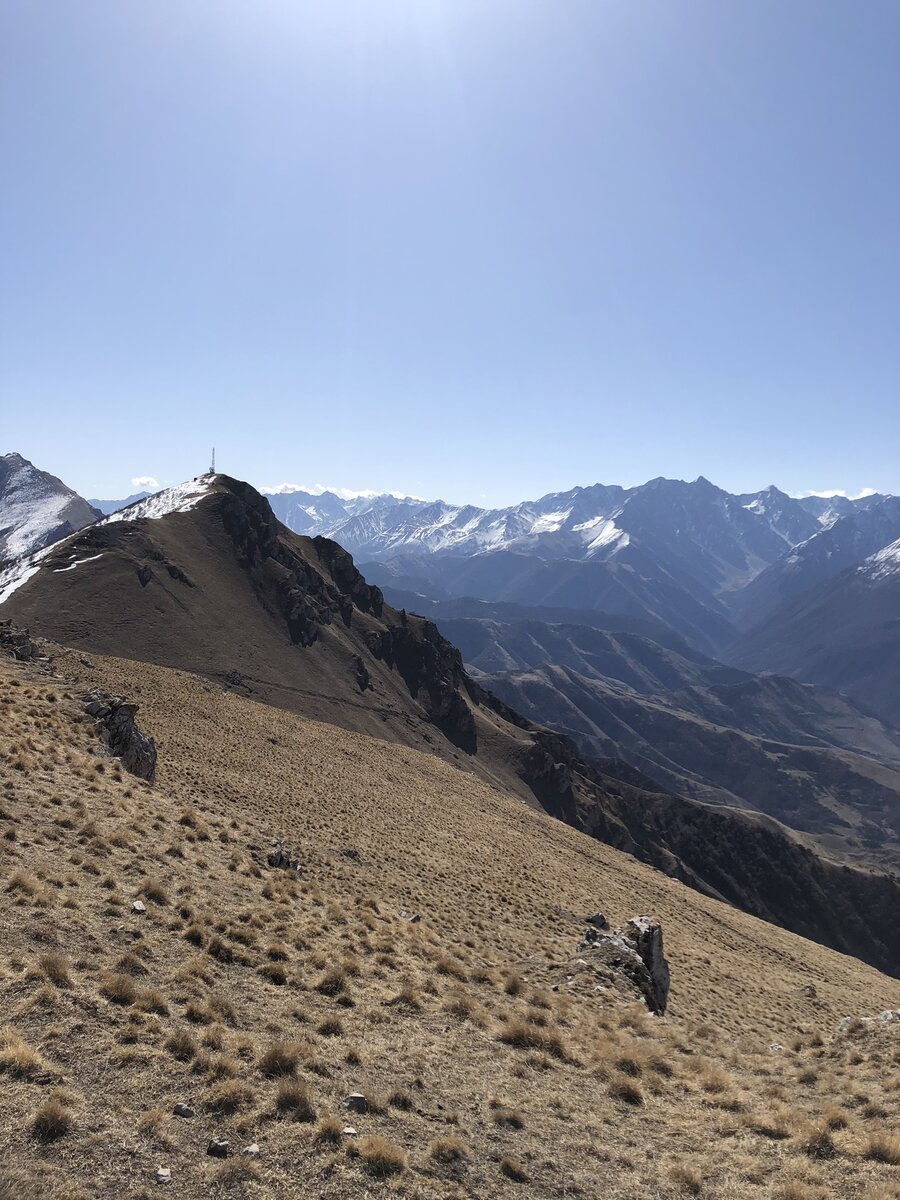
(122, 736)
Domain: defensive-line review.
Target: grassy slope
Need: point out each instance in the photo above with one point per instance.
(501, 889)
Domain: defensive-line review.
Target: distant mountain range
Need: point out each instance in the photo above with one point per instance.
(110, 506)
(706, 563)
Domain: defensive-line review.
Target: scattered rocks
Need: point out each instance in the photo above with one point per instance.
(17, 642)
(281, 856)
(218, 1148)
(635, 951)
(163, 1175)
(356, 1102)
(183, 1110)
(856, 1024)
(122, 736)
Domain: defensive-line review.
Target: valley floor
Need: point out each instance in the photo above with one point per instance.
(492, 1064)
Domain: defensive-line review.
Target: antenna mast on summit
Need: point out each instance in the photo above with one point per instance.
(212, 469)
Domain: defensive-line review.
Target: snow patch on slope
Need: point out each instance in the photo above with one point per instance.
(16, 573)
(179, 499)
(883, 564)
(78, 562)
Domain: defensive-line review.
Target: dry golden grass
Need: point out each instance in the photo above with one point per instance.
(491, 1062)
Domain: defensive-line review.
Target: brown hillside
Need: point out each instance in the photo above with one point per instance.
(492, 1063)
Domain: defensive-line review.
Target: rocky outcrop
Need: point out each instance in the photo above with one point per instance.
(17, 643)
(305, 598)
(432, 669)
(121, 735)
(636, 951)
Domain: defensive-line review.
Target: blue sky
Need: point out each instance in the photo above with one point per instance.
(449, 247)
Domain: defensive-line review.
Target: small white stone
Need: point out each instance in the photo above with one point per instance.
(348, 1131)
(139, 906)
(163, 1175)
(252, 1151)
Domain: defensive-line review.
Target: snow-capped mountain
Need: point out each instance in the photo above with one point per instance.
(36, 508)
(683, 553)
(594, 522)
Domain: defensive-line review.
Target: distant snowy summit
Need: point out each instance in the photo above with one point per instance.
(595, 522)
(36, 508)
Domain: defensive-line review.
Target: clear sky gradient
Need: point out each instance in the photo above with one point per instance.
(477, 249)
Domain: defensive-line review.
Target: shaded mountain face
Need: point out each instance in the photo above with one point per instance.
(485, 610)
(718, 735)
(843, 634)
(845, 543)
(36, 508)
(203, 577)
(637, 588)
(844, 804)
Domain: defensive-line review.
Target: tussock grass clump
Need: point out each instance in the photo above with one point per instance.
(23, 883)
(130, 964)
(228, 1097)
(274, 972)
(19, 1059)
(776, 1125)
(55, 967)
(686, 1179)
(54, 1118)
(525, 1035)
(513, 984)
(118, 989)
(506, 1118)
(181, 1045)
(281, 1058)
(151, 1000)
(400, 1098)
(836, 1117)
(817, 1142)
(380, 1157)
(626, 1089)
(883, 1147)
(407, 998)
(295, 1100)
(333, 982)
(220, 950)
(448, 1150)
(154, 891)
(513, 1169)
(328, 1132)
